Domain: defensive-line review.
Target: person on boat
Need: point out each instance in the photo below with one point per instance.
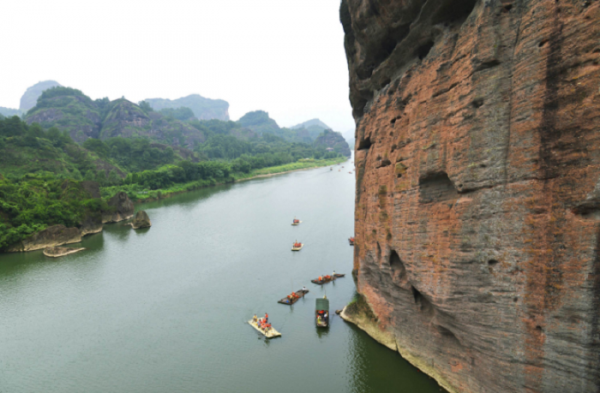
(304, 289)
(266, 318)
(255, 318)
(328, 277)
(320, 278)
(333, 275)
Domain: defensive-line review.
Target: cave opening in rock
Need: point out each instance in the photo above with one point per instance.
(397, 266)
(454, 11)
(436, 187)
(364, 144)
(423, 50)
(447, 334)
(421, 301)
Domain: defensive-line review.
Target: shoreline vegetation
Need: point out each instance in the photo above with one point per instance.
(140, 194)
(74, 204)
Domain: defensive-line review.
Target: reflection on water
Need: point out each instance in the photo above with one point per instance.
(166, 309)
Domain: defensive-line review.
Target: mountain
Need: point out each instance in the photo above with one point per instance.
(68, 109)
(314, 128)
(29, 99)
(333, 140)
(203, 108)
(71, 110)
(259, 121)
(9, 112)
(311, 123)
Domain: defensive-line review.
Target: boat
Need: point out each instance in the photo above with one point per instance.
(322, 312)
(268, 332)
(293, 297)
(351, 241)
(296, 222)
(297, 246)
(325, 279)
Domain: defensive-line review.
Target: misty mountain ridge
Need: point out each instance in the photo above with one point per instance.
(203, 108)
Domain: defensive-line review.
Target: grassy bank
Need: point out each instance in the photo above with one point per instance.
(138, 193)
(294, 166)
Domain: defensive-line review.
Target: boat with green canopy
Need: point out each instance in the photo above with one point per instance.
(322, 312)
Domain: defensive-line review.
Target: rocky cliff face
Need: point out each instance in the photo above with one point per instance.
(478, 187)
(120, 208)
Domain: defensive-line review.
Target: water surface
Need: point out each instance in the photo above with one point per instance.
(166, 309)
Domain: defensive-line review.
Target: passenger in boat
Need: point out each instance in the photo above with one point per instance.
(255, 318)
(333, 274)
(266, 318)
(320, 278)
(304, 289)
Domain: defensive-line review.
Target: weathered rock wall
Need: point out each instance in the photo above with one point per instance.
(478, 186)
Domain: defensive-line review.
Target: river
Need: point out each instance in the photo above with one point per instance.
(166, 309)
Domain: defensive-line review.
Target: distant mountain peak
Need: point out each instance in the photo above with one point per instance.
(310, 123)
(29, 99)
(203, 108)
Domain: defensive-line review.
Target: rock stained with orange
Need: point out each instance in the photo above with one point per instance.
(478, 186)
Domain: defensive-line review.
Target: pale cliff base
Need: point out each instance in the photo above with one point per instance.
(387, 338)
(55, 252)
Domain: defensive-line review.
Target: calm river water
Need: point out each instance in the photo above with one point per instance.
(166, 309)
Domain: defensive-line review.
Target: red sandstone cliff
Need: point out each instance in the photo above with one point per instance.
(478, 187)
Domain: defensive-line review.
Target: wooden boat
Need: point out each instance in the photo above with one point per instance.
(296, 222)
(289, 301)
(322, 312)
(268, 333)
(351, 241)
(326, 279)
(297, 246)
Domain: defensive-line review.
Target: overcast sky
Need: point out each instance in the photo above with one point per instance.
(283, 56)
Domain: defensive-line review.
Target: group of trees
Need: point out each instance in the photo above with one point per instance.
(133, 155)
(183, 172)
(37, 201)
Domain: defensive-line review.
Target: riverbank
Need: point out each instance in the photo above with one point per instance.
(141, 195)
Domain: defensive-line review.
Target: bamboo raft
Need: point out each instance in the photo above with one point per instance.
(272, 333)
(289, 302)
(298, 248)
(296, 223)
(325, 281)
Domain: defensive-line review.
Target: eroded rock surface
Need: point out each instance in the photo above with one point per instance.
(56, 252)
(120, 208)
(53, 236)
(477, 202)
(141, 220)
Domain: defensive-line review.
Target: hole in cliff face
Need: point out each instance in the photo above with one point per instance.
(378, 251)
(364, 144)
(507, 8)
(423, 50)
(436, 187)
(477, 103)
(447, 334)
(492, 262)
(422, 303)
(381, 49)
(397, 266)
(455, 11)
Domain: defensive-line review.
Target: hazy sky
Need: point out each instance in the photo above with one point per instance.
(282, 56)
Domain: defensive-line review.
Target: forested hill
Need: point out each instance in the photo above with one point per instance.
(71, 110)
(202, 108)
